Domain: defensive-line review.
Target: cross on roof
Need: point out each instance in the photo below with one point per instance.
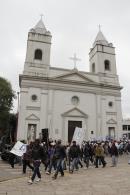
(41, 16)
(99, 26)
(75, 59)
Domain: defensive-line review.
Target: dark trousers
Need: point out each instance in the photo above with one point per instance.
(98, 159)
(11, 160)
(36, 165)
(74, 164)
(25, 164)
(86, 160)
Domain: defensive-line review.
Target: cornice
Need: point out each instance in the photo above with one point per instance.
(50, 81)
(95, 91)
(111, 113)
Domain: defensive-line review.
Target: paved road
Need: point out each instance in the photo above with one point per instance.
(6, 172)
(101, 181)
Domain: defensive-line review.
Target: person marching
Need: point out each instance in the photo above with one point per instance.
(99, 153)
(27, 159)
(52, 162)
(59, 155)
(37, 155)
(87, 154)
(114, 154)
(74, 154)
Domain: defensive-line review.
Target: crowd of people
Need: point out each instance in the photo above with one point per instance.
(58, 157)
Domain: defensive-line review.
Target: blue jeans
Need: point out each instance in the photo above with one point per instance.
(36, 165)
(74, 164)
(100, 159)
(114, 160)
(59, 167)
(51, 164)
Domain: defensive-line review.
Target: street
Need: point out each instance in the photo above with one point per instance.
(91, 181)
(7, 173)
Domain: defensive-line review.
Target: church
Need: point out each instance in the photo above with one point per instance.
(59, 100)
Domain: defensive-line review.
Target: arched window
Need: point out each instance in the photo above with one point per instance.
(110, 104)
(107, 65)
(93, 67)
(38, 54)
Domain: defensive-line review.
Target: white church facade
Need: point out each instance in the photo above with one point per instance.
(61, 99)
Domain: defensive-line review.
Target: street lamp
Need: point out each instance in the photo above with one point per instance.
(18, 101)
(17, 115)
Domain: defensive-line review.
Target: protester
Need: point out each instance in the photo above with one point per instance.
(54, 154)
(114, 154)
(59, 155)
(99, 153)
(37, 155)
(51, 159)
(74, 154)
(12, 157)
(87, 154)
(27, 159)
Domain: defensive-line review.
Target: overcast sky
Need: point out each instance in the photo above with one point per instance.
(74, 26)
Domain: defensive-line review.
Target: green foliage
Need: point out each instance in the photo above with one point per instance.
(6, 102)
(6, 95)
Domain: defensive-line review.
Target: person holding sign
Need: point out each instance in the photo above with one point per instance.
(12, 157)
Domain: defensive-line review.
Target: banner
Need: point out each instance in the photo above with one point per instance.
(19, 149)
(79, 135)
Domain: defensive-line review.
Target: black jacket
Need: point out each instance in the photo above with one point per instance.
(113, 150)
(74, 151)
(37, 152)
(59, 152)
(87, 150)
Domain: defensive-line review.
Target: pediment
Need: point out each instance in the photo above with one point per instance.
(32, 117)
(75, 112)
(74, 76)
(111, 121)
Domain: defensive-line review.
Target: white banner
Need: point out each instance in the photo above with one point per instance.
(19, 149)
(79, 135)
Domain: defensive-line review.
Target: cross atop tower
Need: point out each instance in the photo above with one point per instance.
(75, 59)
(41, 16)
(99, 26)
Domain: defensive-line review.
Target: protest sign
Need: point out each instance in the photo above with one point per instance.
(79, 135)
(19, 149)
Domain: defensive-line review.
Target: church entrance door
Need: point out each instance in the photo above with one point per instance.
(71, 128)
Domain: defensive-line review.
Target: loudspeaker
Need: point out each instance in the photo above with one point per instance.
(45, 135)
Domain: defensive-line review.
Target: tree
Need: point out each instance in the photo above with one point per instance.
(6, 102)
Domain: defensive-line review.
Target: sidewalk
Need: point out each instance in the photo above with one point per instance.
(101, 181)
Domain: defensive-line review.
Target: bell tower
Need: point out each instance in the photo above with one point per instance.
(37, 60)
(102, 56)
